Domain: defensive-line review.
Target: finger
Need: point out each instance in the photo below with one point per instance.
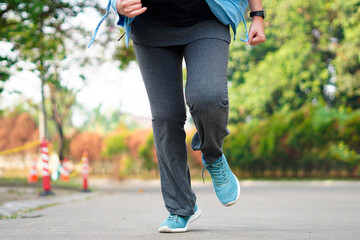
(125, 4)
(132, 8)
(136, 12)
(257, 40)
(251, 35)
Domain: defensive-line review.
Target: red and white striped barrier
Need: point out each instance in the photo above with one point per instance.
(85, 171)
(44, 154)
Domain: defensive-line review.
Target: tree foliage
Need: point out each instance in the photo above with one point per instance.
(87, 141)
(40, 33)
(16, 130)
(311, 141)
(311, 48)
(38, 29)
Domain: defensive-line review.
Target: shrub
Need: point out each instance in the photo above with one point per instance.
(312, 141)
(86, 141)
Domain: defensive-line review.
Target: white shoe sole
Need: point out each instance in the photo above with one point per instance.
(238, 194)
(195, 216)
(165, 229)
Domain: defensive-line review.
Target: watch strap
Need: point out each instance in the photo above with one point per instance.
(258, 13)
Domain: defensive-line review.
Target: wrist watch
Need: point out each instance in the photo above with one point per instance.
(261, 13)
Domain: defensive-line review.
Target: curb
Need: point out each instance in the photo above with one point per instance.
(13, 208)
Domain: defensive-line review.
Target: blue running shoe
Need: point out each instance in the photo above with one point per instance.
(175, 223)
(226, 185)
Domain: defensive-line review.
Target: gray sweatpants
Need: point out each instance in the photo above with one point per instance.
(206, 95)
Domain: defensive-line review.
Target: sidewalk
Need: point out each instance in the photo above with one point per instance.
(266, 210)
(31, 201)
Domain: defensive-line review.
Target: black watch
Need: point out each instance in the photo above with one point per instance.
(261, 13)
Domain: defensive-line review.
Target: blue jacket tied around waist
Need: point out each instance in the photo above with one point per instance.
(229, 12)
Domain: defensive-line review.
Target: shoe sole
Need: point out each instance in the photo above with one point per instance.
(237, 197)
(195, 216)
(165, 229)
(238, 194)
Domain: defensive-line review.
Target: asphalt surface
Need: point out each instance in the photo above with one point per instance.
(266, 210)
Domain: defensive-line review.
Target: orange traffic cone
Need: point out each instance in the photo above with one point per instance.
(85, 172)
(33, 177)
(65, 173)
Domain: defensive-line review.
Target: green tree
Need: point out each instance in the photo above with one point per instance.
(347, 47)
(39, 32)
(305, 39)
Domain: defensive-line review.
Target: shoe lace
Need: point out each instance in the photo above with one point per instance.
(218, 173)
(202, 174)
(173, 217)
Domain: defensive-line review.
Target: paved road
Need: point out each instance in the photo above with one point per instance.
(266, 210)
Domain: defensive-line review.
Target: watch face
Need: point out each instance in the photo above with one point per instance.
(264, 13)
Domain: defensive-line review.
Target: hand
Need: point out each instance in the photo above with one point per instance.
(130, 8)
(257, 32)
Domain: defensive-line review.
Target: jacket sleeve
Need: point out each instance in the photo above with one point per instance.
(122, 19)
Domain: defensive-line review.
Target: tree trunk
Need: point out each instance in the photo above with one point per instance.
(58, 121)
(61, 142)
(43, 110)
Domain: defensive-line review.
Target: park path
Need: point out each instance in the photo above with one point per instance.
(266, 210)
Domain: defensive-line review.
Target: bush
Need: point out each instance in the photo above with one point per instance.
(17, 130)
(313, 141)
(86, 141)
(148, 154)
(115, 145)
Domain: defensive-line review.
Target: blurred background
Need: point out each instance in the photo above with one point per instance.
(294, 100)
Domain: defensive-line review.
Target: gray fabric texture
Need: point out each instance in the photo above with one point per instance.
(151, 33)
(206, 94)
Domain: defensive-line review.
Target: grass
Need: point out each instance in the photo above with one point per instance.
(16, 215)
(10, 181)
(73, 184)
(14, 183)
